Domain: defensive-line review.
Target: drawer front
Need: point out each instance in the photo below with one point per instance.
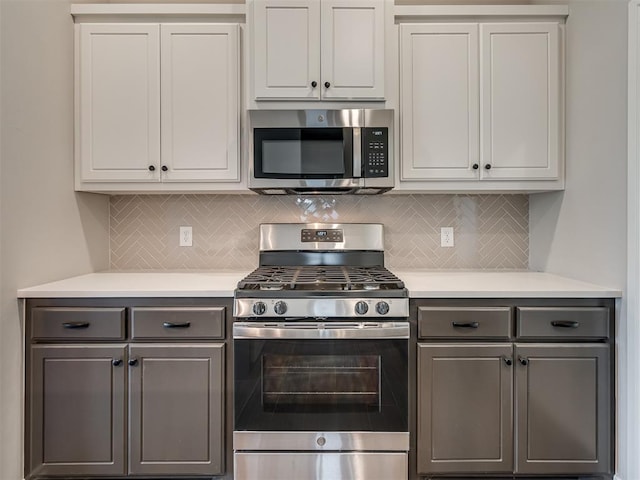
(82, 323)
(177, 322)
(464, 322)
(563, 322)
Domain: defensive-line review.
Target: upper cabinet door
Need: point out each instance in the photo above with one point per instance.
(119, 103)
(520, 105)
(439, 101)
(352, 49)
(286, 39)
(200, 102)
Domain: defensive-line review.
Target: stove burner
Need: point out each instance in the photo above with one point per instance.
(334, 278)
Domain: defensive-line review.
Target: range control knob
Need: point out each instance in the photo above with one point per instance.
(280, 308)
(382, 308)
(362, 307)
(259, 308)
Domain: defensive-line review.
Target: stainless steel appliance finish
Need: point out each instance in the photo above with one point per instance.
(324, 441)
(299, 236)
(321, 342)
(360, 160)
(320, 466)
(321, 330)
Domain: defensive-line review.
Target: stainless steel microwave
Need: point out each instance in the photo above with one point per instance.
(321, 151)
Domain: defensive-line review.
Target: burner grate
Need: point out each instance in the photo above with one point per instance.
(349, 278)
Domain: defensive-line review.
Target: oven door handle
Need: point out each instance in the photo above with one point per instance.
(321, 331)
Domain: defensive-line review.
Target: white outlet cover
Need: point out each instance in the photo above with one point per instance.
(186, 237)
(446, 237)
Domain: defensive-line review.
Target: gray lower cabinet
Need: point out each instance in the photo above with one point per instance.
(122, 391)
(77, 410)
(531, 400)
(562, 408)
(465, 408)
(176, 409)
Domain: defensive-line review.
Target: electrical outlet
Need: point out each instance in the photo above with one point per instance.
(446, 237)
(186, 237)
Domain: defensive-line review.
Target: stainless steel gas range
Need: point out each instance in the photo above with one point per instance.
(321, 341)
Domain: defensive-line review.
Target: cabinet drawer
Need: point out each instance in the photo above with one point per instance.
(457, 322)
(67, 323)
(177, 322)
(563, 322)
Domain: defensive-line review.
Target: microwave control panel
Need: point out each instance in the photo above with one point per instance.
(375, 152)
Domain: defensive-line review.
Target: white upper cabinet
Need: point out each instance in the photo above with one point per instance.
(318, 49)
(520, 100)
(440, 102)
(158, 106)
(119, 103)
(199, 85)
(480, 106)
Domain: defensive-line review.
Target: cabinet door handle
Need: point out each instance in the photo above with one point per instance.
(76, 325)
(523, 361)
(133, 362)
(152, 168)
(116, 362)
(164, 168)
(176, 325)
(565, 323)
(475, 166)
(314, 84)
(507, 361)
(327, 84)
(487, 166)
(465, 324)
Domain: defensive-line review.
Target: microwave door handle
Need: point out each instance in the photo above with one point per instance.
(357, 152)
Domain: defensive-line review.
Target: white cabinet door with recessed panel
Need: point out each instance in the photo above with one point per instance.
(520, 105)
(118, 128)
(200, 103)
(439, 102)
(352, 52)
(318, 49)
(286, 38)
(480, 107)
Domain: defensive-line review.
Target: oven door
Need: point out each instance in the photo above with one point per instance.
(321, 377)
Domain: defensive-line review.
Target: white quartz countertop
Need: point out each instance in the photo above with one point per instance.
(498, 284)
(420, 283)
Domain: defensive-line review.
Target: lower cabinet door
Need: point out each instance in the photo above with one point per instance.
(77, 410)
(465, 408)
(176, 409)
(563, 412)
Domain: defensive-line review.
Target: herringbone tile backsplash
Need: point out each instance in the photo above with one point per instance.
(490, 231)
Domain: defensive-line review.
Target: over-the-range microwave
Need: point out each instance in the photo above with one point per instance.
(320, 151)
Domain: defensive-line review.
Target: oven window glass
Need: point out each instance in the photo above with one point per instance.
(302, 152)
(321, 385)
(318, 382)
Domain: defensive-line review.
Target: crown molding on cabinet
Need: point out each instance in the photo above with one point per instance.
(480, 10)
(199, 11)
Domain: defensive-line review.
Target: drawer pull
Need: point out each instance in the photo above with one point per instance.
(176, 325)
(565, 323)
(465, 324)
(76, 325)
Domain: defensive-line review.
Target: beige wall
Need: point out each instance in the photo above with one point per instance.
(48, 232)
